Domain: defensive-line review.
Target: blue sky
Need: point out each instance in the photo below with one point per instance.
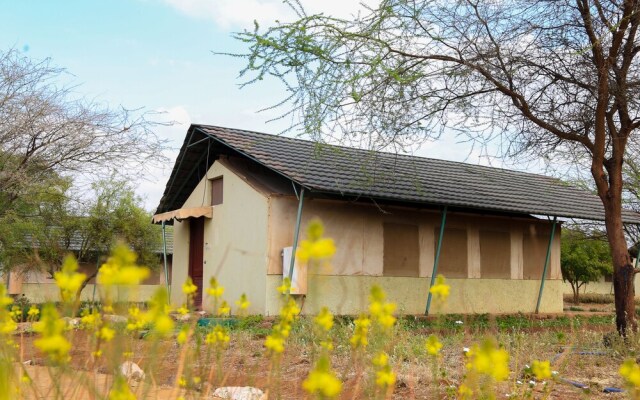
(157, 54)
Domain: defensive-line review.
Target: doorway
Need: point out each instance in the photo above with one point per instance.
(196, 257)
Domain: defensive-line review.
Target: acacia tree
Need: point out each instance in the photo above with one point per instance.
(46, 128)
(583, 259)
(544, 77)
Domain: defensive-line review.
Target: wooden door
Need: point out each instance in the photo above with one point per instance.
(196, 256)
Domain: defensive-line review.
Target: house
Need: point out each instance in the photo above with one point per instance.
(39, 286)
(238, 199)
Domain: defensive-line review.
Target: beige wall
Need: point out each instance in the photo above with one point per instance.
(358, 233)
(358, 262)
(43, 292)
(235, 240)
(349, 295)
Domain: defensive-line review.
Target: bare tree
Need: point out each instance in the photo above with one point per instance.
(45, 128)
(553, 78)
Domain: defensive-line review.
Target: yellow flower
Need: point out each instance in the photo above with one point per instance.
(324, 319)
(97, 353)
(321, 381)
(158, 314)
(541, 369)
(121, 268)
(440, 290)
(243, 303)
(360, 332)
(68, 279)
(182, 382)
(183, 310)
(183, 335)
(188, 287)
(215, 290)
(380, 360)
(433, 346)
(33, 312)
(90, 320)
(316, 251)
(315, 247)
(489, 360)
(465, 392)
(106, 333)
(630, 371)
(274, 343)
(285, 287)
(380, 310)
(52, 341)
(120, 390)
(224, 309)
(385, 377)
(219, 337)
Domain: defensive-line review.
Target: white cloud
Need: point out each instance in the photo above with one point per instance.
(239, 14)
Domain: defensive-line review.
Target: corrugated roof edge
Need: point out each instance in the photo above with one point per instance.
(628, 216)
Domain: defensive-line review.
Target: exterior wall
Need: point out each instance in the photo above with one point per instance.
(38, 287)
(600, 287)
(44, 292)
(358, 263)
(235, 240)
(349, 295)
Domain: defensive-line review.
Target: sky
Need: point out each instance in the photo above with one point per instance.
(158, 55)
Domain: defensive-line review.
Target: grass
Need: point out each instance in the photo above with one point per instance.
(373, 356)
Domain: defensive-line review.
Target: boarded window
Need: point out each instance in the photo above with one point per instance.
(495, 254)
(534, 254)
(401, 250)
(453, 254)
(216, 191)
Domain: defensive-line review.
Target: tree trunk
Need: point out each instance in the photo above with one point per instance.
(84, 284)
(623, 271)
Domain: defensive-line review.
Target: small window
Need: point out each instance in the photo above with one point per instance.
(401, 250)
(216, 191)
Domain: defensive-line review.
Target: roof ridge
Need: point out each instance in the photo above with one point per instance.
(409, 156)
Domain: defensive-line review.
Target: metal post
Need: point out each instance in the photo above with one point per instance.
(437, 258)
(95, 282)
(546, 263)
(164, 253)
(296, 234)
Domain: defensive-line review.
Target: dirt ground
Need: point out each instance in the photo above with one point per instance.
(244, 364)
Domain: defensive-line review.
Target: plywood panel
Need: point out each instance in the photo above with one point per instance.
(453, 255)
(534, 251)
(495, 254)
(401, 250)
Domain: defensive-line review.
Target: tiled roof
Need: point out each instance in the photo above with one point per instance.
(347, 171)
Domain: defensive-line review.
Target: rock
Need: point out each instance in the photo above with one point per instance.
(183, 317)
(239, 393)
(131, 371)
(118, 319)
(28, 362)
(72, 322)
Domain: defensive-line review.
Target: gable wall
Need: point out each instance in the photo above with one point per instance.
(235, 240)
(358, 231)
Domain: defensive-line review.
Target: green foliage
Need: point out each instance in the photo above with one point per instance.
(583, 260)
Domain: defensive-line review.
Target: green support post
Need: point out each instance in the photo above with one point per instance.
(296, 234)
(164, 254)
(546, 263)
(437, 258)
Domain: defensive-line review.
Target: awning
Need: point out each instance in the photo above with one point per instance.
(184, 213)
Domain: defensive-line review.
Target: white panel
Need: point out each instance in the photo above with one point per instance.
(299, 277)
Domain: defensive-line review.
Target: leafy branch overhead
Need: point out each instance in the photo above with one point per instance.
(554, 79)
(45, 129)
